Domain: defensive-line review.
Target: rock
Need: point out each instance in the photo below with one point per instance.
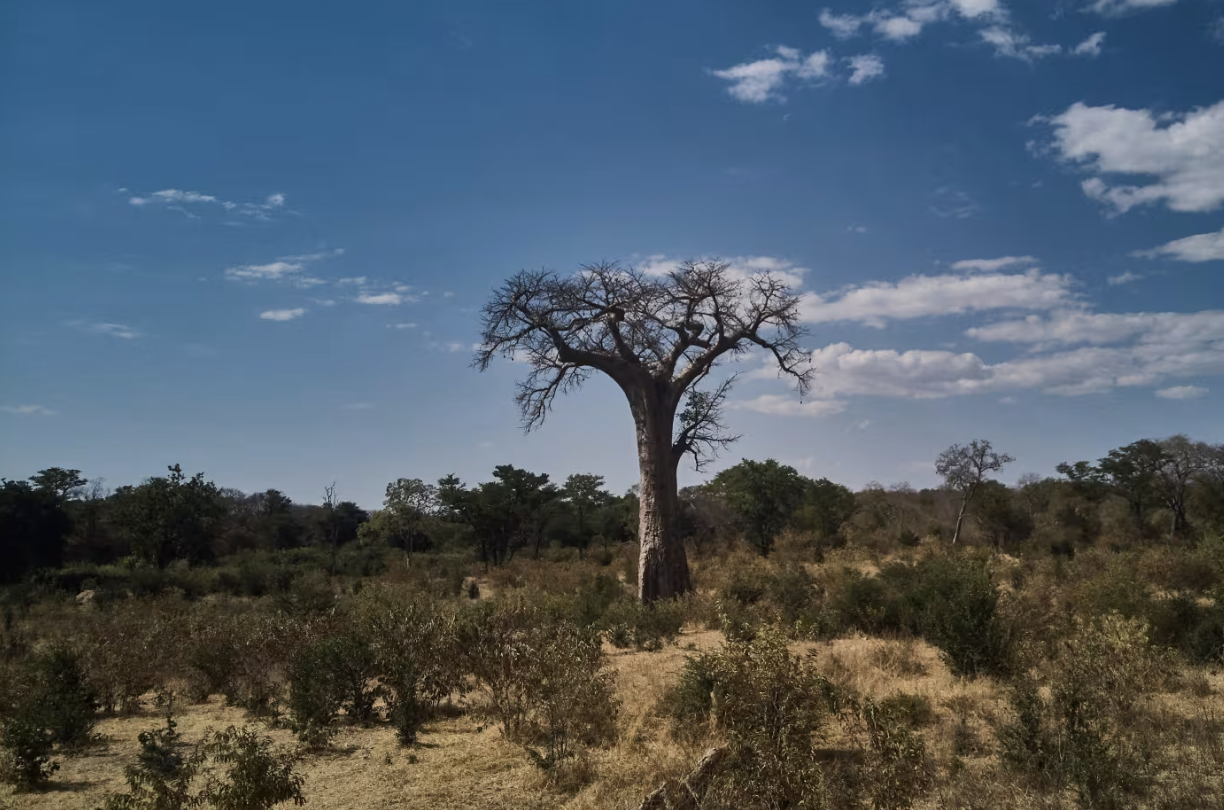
(84, 597)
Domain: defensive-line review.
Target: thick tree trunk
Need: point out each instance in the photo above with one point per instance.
(663, 570)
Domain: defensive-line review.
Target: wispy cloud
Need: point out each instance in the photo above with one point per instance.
(282, 314)
(178, 200)
(1090, 47)
(401, 326)
(1123, 278)
(1116, 8)
(952, 203)
(1182, 392)
(115, 330)
(993, 265)
(286, 268)
(739, 267)
(27, 410)
(1202, 247)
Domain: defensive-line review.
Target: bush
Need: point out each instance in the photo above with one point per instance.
(546, 680)
(646, 627)
(234, 769)
(328, 675)
(415, 652)
(953, 604)
(897, 769)
(690, 701)
(772, 706)
(27, 745)
(62, 701)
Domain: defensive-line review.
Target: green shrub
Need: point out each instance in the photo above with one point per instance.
(315, 695)
(27, 746)
(690, 701)
(896, 773)
(415, 651)
(792, 591)
(772, 707)
(62, 700)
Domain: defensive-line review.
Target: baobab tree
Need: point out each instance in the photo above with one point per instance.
(657, 337)
(963, 470)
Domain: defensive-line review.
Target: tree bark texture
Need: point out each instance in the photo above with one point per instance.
(663, 571)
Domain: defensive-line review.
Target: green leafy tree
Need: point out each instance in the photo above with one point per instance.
(764, 495)
(584, 495)
(826, 507)
(58, 480)
(408, 505)
(33, 526)
(173, 517)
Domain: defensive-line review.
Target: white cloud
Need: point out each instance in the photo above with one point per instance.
(857, 228)
(1202, 247)
(27, 410)
(1015, 45)
(898, 28)
(383, 299)
(1099, 328)
(286, 268)
(740, 267)
(1179, 156)
(282, 314)
(761, 81)
(117, 330)
(1114, 8)
(448, 294)
(358, 280)
(865, 68)
(1182, 392)
(1090, 47)
(843, 26)
(921, 296)
(456, 346)
(401, 326)
(781, 405)
(272, 271)
(1123, 278)
(175, 199)
(992, 265)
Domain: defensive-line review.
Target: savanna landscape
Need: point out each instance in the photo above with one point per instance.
(650, 405)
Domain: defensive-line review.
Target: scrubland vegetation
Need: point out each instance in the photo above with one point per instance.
(177, 645)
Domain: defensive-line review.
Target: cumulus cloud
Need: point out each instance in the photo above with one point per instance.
(1203, 247)
(740, 267)
(27, 410)
(1182, 392)
(1178, 158)
(865, 68)
(761, 81)
(1116, 8)
(993, 265)
(282, 314)
(876, 303)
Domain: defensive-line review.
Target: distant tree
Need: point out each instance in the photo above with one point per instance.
(59, 481)
(963, 470)
(1180, 462)
(584, 495)
(408, 504)
(764, 495)
(33, 526)
(826, 507)
(657, 338)
(1128, 472)
(277, 526)
(172, 517)
(1001, 518)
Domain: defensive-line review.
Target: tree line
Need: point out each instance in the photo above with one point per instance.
(1144, 491)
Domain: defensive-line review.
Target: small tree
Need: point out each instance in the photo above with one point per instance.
(963, 470)
(584, 494)
(408, 503)
(764, 494)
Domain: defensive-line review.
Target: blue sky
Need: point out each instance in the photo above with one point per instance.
(253, 238)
